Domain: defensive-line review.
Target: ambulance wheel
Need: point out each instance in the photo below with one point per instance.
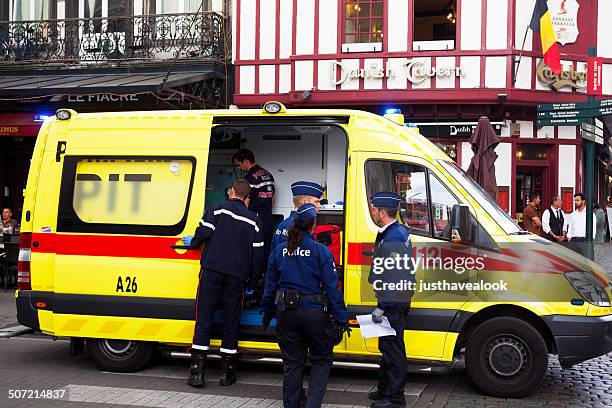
(506, 357)
(123, 356)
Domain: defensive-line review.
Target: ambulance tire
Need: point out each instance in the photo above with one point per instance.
(122, 356)
(506, 357)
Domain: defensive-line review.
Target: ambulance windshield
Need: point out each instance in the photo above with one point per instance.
(484, 199)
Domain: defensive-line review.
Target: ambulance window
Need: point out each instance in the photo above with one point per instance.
(148, 196)
(410, 182)
(442, 202)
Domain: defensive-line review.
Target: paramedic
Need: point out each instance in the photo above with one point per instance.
(232, 258)
(303, 192)
(301, 284)
(261, 197)
(392, 240)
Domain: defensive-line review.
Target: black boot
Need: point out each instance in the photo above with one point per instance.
(228, 369)
(376, 395)
(198, 364)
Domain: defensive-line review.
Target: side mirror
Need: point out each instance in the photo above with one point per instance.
(461, 228)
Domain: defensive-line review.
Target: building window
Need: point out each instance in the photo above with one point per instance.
(435, 24)
(29, 10)
(530, 151)
(364, 21)
(181, 6)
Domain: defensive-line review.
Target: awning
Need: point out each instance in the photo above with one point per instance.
(91, 83)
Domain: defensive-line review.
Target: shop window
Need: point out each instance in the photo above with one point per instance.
(435, 24)
(531, 151)
(364, 21)
(28, 10)
(450, 149)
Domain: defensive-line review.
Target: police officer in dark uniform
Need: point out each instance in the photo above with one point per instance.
(232, 257)
(302, 285)
(392, 241)
(261, 197)
(303, 192)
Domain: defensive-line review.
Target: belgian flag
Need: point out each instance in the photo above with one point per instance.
(542, 23)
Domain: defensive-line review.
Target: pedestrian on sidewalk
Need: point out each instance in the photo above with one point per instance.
(575, 225)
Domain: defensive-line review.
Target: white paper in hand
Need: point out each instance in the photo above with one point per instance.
(369, 329)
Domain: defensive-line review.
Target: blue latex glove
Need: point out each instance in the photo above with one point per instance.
(187, 240)
(249, 292)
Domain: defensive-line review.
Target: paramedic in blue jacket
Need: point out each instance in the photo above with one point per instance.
(303, 192)
(302, 287)
(392, 241)
(233, 257)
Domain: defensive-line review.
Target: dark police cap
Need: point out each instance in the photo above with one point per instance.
(306, 188)
(385, 199)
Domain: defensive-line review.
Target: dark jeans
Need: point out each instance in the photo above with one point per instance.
(393, 374)
(301, 333)
(218, 289)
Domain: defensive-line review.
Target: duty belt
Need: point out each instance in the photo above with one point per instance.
(290, 299)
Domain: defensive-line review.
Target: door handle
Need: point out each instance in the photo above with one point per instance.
(182, 247)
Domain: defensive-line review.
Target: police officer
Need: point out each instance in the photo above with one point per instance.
(232, 257)
(261, 197)
(303, 192)
(302, 283)
(392, 241)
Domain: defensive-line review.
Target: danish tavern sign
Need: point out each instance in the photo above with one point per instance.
(415, 71)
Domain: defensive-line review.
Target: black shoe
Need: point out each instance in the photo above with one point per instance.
(376, 395)
(228, 369)
(198, 363)
(385, 403)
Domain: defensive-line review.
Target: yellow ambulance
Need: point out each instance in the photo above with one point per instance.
(109, 195)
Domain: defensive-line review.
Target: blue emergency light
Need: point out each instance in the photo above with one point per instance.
(392, 111)
(41, 117)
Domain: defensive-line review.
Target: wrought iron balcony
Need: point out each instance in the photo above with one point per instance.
(121, 39)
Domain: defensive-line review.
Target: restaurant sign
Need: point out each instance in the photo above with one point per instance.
(568, 78)
(415, 72)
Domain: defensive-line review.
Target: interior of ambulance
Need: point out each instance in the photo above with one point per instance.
(290, 153)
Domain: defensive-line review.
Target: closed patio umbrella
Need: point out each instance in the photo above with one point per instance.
(482, 167)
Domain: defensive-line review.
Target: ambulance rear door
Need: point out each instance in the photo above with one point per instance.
(131, 186)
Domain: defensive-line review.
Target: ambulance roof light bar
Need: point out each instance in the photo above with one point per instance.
(394, 115)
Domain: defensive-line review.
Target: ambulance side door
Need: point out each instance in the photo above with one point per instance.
(425, 209)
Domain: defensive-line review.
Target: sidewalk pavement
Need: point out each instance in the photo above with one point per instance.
(8, 310)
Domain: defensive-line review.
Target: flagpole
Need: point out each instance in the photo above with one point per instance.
(518, 63)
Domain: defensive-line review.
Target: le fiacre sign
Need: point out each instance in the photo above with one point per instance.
(564, 16)
(415, 72)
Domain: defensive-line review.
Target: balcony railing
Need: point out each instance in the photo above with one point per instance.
(97, 40)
